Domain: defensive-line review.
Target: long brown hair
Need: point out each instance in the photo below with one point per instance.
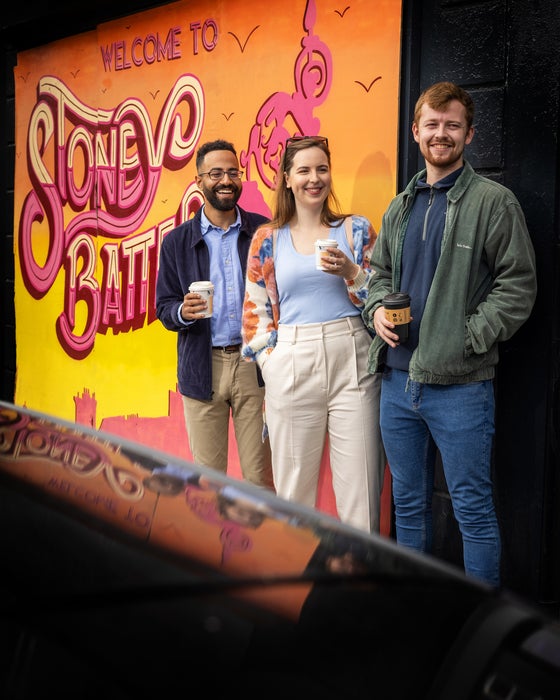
(284, 205)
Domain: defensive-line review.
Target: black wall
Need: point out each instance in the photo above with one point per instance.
(506, 54)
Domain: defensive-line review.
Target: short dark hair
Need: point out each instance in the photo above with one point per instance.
(218, 145)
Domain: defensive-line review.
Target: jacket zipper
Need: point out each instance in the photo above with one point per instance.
(427, 214)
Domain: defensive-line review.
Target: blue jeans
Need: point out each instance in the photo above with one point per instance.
(458, 419)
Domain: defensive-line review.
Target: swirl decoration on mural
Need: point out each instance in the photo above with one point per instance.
(283, 115)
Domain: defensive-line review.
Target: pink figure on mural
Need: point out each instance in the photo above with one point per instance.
(283, 115)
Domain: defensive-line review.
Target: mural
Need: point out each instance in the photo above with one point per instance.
(196, 515)
(107, 128)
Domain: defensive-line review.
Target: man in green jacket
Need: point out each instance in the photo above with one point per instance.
(458, 244)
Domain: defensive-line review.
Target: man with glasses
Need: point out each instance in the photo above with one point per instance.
(214, 381)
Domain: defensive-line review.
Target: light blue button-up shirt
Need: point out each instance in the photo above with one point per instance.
(226, 274)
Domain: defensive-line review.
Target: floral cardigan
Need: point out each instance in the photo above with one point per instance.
(261, 310)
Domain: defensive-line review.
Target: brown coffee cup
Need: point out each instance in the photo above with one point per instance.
(397, 311)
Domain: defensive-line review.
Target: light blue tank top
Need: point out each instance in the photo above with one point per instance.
(308, 295)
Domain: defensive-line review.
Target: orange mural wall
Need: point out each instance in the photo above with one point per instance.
(107, 128)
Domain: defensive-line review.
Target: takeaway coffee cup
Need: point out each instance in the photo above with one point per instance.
(321, 246)
(397, 310)
(206, 291)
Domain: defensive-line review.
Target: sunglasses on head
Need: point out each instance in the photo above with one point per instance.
(316, 139)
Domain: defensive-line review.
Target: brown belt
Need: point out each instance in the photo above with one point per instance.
(228, 348)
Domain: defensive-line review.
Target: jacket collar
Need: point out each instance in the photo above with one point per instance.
(455, 193)
(244, 229)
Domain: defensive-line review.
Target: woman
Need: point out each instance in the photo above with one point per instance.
(303, 326)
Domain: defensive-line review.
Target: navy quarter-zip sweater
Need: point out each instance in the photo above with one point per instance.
(421, 251)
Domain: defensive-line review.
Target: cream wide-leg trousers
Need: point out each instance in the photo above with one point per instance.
(317, 385)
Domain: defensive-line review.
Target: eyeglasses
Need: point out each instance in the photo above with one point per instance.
(218, 173)
(317, 139)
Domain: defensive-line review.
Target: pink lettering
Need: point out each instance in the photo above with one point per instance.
(82, 458)
(108, 164)
(208, 34)
(149, 49)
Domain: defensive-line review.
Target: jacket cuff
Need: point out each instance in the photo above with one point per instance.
(358, 281)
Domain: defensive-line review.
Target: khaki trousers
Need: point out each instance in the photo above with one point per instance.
(318, 386)
(235, 392)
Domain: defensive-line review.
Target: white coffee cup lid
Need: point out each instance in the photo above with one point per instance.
(201, 285)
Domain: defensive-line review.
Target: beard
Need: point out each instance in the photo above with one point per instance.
(222, 202)
(453, 156)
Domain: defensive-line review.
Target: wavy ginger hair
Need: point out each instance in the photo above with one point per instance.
(439, 95)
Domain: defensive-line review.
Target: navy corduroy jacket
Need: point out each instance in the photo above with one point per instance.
(184, 258)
